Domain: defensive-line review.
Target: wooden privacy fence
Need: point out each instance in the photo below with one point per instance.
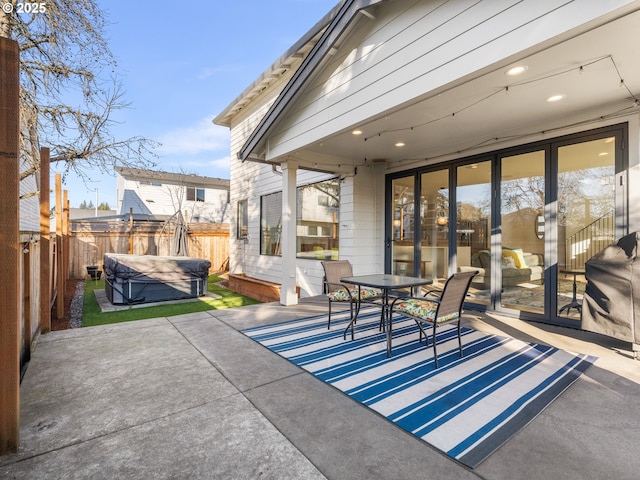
(89, 241)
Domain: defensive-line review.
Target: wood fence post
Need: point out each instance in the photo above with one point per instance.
(59, 248)
(45, 239)
(65, 235)
(130, 231)
(9, 247)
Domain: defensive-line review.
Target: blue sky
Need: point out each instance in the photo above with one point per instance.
(181, 64)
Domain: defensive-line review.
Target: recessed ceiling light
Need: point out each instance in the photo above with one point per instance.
(400, 144)
(555, 98)
(512, 72)
(603, 154)
(357, 132)
(608, 140)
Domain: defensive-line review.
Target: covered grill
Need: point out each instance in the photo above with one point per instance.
(611, 304)
(148, 278)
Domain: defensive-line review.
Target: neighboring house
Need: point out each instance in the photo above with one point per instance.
(448, 132)
(89, 213)
(204, 199)
(30, 203)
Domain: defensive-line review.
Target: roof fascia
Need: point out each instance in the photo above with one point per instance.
(169, 177)
(285, 58)
(335, 30)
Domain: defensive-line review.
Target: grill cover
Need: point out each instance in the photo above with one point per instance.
(613, 286)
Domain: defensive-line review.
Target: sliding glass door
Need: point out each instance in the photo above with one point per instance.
(521, 256)
(586, 215)
(434, 225)
(473, 227)
(528, 219)
(402, 228)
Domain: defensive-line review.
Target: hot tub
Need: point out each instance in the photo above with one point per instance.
(148, 278)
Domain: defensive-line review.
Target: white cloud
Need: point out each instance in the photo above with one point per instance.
(201, 137)
(200, 164)
(221, 163)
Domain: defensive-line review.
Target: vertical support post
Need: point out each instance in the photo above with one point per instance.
(65, 235)
(45, 239)
(59, 248)
(288, 294)
(9, 247)
(26, 304)
(130, 229)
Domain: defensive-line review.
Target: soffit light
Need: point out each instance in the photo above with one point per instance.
(400, 144)
(357, 132)
(556, 98)
(518, 70)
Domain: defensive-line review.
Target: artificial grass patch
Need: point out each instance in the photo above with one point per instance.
(92, 316)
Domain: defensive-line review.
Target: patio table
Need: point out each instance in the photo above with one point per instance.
(575, 303)
(387, 283)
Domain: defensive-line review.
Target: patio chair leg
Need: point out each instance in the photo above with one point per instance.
(435, 352)
(459, 338)
(329, 322)
(352, 320)
(420, 332)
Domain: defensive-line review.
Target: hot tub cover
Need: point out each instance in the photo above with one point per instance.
(145, 268)
(146, 278)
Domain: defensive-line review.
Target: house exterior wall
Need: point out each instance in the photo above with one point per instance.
(162, 198)
(30, 206)
(369, 75)
(633, 180)
(359, 228)
(448, 42)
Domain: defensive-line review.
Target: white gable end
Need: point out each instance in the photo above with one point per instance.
(413, 50)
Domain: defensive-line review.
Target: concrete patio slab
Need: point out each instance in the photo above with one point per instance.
(106, 306)
(192, 397)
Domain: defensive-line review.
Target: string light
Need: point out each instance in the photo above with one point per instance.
(506, 89)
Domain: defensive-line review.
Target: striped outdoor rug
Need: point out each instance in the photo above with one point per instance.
(467, 408)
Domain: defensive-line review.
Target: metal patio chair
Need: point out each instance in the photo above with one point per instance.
(338, 291)
(436, 310)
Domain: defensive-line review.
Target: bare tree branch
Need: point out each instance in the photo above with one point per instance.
(70, 91)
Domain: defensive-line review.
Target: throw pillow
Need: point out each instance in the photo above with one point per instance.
(517, 255)
(507, 262)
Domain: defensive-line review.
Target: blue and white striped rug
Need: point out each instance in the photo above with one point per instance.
(467, 408)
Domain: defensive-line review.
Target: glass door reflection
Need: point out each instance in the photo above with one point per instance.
(521, 255)
(586, 215)
(473, 227)
(403, 226)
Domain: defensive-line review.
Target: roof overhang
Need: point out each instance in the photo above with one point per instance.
(594, 65)
(341, 20)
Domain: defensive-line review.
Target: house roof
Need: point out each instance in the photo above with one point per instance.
(334, 26)
(89, 213)
(291, 57)
(559, 45)
(174, 178)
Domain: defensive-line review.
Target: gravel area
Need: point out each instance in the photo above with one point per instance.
(75, 314)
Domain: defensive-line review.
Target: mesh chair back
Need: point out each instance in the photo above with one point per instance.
(454, 293)
(334, 270)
